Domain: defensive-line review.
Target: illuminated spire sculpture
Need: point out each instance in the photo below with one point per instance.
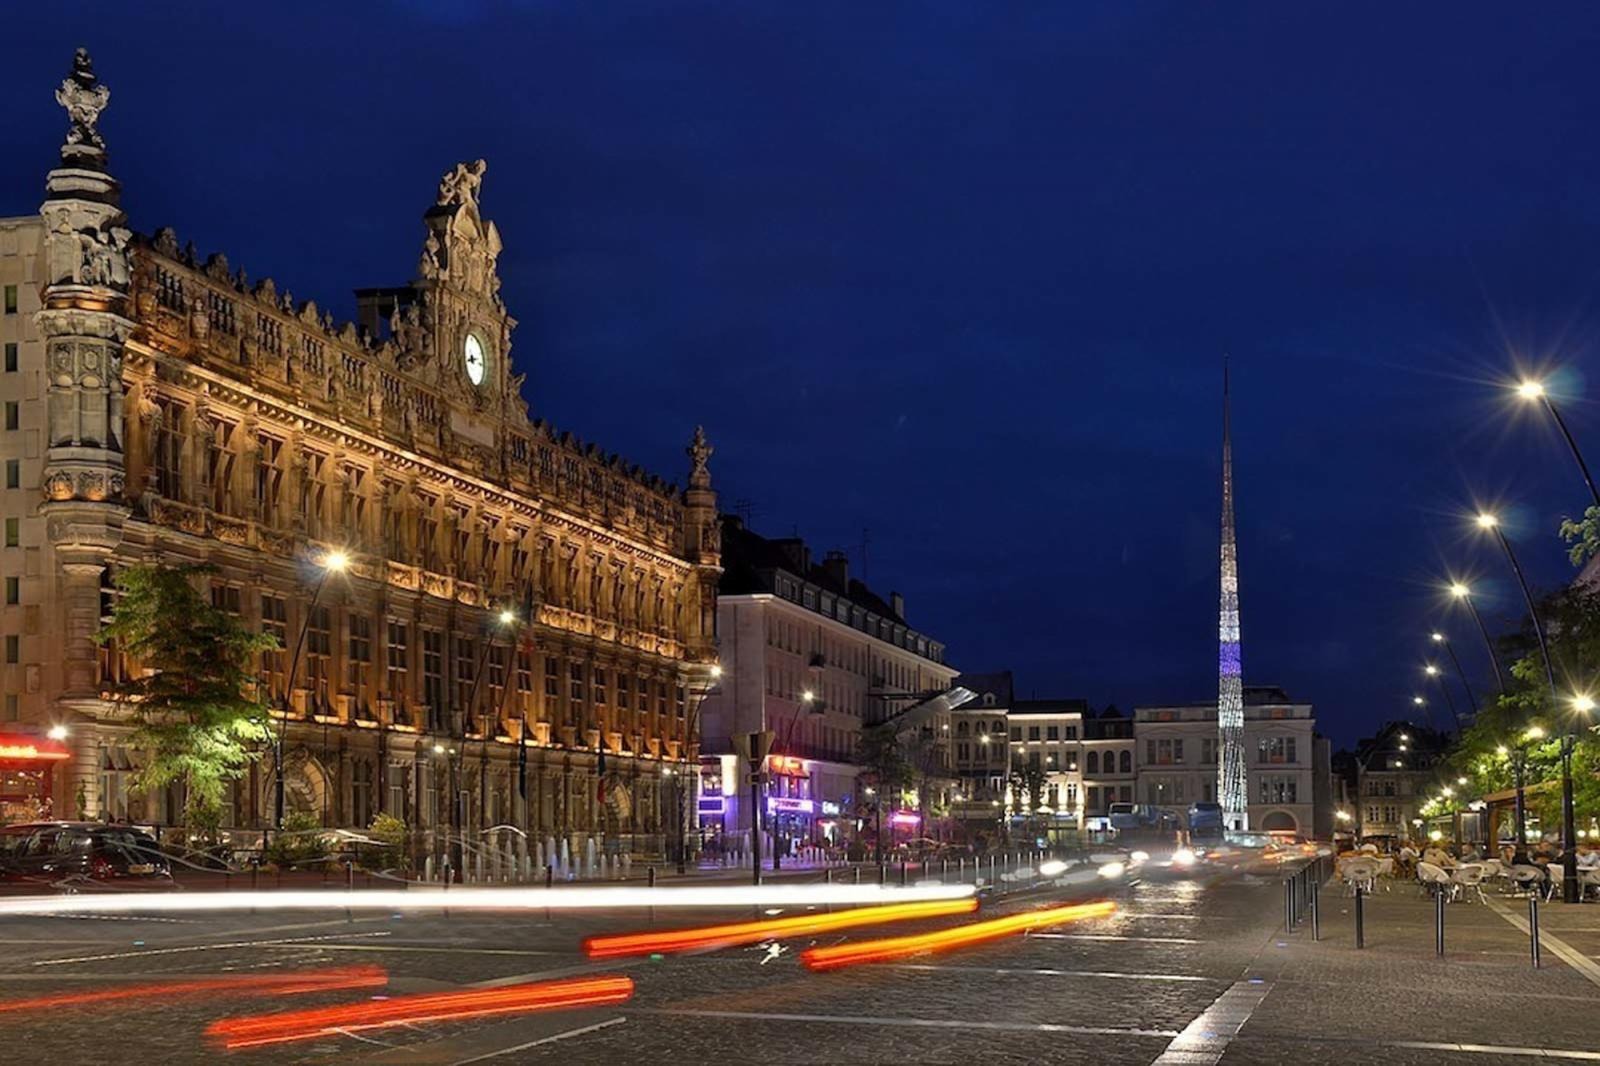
(1233, 791)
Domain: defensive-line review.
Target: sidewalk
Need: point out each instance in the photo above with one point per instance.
(1483, 996)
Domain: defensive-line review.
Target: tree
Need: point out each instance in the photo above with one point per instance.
(878, 753)
(192, 695)
(1583, 535)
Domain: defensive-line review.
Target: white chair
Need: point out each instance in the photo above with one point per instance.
(1589, 878)
(1527, 878)
(1359, 873)
(1436, 879)
(1468, 877)
(1386, 871)
(1368, 849)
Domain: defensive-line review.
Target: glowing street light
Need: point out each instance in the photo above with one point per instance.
(57, 732)
(333, 561)
(1489, 522)
(1533, 391)
(716, 670)
(1464, 594)
(1440, 639)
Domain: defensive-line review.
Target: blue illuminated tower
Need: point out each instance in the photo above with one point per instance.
(1233, 791)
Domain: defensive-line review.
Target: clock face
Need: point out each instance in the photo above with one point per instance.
(472, 356)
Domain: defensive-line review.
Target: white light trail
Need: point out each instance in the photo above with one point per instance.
(486, 899)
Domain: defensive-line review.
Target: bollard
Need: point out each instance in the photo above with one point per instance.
(1533, 927)
(944, 868)
(858, 875)
(650, 874)
(902, 873)
(1288, 905)
(883, 872)
(1316, 917)
(1438, 923)
(549, 876)
(1361, 932)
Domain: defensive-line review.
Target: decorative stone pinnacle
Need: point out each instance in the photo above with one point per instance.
(84, 98)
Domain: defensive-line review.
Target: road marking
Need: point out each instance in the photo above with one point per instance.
(422, 948)
(263, 930)
(295, 941)
(1115, 936)
(917, 1023)
(569, 1034)
(1568, 954)
(1496, 1049)
(1204, 1040)
(1114, 974)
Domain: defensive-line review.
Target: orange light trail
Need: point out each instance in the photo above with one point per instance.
(607, 947)
(279, 984)
(259, 1029)
(832, 958)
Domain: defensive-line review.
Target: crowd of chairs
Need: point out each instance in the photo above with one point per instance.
(1370, 871)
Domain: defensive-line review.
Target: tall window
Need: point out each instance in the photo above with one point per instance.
(1276, 750)
(398, 661)
(433, 677)
(428, 532)
(313, 492)
(226, 598)
(358, 667)
(1092, 763)
(552, 686)
(575, 692)
(275, 623)
(269, 477)
(600, 695)
(319, 654)
(466, 668)
(524, 676)
(1124, 761)
(169, 448)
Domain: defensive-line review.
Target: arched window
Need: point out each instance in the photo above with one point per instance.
(1126, 761)
(961, 728)
(1093, 763)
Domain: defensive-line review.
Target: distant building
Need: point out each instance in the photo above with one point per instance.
(1178, 753)
(1389, 775)
(1047, 738)
(1109, 770)
(812, 654)
(981, 756)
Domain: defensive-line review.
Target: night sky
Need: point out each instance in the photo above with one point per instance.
(963, 275)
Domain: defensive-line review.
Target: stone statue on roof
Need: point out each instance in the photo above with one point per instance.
(84, 98)
(460, 185)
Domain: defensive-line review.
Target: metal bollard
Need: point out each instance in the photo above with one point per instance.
(1533, 928)
(858, 875)
(1361, 937)
(1288, 905)
(1316, 917)
(944, 868)
(883, 872)
(1438, 923)
(902, 873)
(650, 876)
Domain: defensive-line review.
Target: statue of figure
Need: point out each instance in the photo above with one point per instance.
(84, 98)
(429, 266)
(460, 184)
(699, 451)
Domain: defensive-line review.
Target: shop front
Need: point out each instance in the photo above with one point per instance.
(27, 776)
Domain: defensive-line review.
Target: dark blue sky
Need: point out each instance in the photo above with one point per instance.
(962, 274)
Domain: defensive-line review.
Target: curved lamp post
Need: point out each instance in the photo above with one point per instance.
(1490, 523)
(333, 562)
(1464, 594)
(1449, 701)
(1444, 641)
(1534, 392)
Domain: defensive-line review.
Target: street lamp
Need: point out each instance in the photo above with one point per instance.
(335, 561)
(1449, 701)
(1464, 594)
(1534, 391)
(1489, 522)
(1571, 891)
(1441, 639)
(57, 732)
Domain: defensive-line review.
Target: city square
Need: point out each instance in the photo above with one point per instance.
(671, 533)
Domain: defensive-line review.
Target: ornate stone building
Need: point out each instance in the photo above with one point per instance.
(167, 408)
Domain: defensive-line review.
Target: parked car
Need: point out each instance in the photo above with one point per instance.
(81, 855)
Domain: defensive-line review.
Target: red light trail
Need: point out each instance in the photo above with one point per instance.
(259, 1029)
(832, 958)
(605, 947)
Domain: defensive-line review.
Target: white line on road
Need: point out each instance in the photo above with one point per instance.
(293, 941)
(424, 949)
(1204, 1040)
(1114, 974)
(569, 1034)
(1496, 1049)
(917, 1023)
(1568, 954)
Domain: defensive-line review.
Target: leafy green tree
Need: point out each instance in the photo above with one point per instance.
(192, 695)
(1583, 535)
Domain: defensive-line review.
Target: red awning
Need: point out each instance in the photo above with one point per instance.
(23, 747)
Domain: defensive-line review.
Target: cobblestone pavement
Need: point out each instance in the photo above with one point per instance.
(1191, 970)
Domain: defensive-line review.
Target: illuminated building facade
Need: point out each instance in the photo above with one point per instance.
(160, 407)
(812, 654)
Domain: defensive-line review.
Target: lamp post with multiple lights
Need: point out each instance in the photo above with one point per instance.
(333, 562)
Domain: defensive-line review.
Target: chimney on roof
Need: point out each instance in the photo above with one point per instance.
(897, 604)
(795, 553)
(837, 566)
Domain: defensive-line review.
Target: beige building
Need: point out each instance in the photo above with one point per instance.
(160, 407)
(1047, 737)
(1177, 759)
(812, 654)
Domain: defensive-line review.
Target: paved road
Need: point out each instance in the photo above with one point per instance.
(1170, 977)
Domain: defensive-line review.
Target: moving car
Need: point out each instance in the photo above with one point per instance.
(81, 855)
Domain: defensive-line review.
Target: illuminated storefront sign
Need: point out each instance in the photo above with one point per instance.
(829, 807)
(31, 749)
(787, 765)
(905, 818)
(790, 805)
(713, 804)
